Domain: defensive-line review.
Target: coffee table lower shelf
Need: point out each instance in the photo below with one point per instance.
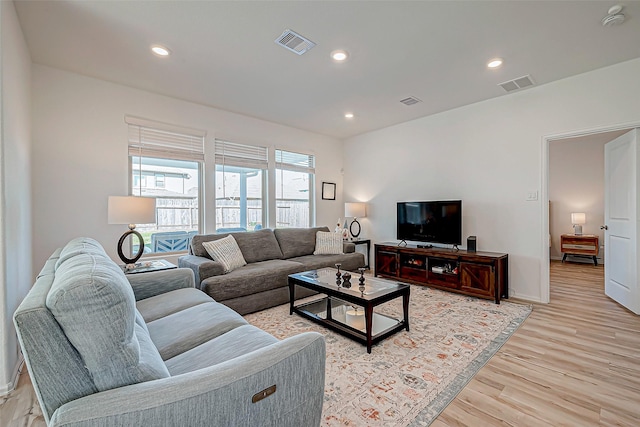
(317, 310)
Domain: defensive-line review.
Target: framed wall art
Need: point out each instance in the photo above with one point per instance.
(328, 191)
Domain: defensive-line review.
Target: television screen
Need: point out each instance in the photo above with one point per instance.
(434, 222)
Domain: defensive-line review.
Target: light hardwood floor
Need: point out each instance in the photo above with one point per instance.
(574, 362)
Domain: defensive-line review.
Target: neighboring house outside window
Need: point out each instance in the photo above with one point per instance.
(166, 163)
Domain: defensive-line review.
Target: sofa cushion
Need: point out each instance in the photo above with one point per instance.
(162, 305)
(251, 279)
(349, 262)
(179, 332)
(256, 246)
(328, 243)
(93, 302)
(235, 343)
(297, 241)
(226, 252)
(80, 245)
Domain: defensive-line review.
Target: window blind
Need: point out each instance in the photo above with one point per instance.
(155, 139)
(241, 155)
(295, 161)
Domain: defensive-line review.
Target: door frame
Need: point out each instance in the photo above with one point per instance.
(544, 195)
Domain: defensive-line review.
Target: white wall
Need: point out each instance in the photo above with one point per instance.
(15, 186)
(489, 155)
(80, 152)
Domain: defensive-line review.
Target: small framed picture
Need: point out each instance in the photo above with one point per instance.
(328, 191)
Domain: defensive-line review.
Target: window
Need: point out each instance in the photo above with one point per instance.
(241, 174)
(159, 180)
(294, 189)
(165, 163)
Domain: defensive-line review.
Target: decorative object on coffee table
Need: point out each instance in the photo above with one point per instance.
(346, 280)
(131, 210)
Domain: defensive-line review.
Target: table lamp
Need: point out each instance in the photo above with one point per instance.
(355, 210)
(131, 210)
(578, 219)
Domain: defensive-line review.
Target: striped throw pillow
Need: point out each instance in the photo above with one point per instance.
(226, 252)
(328, 243)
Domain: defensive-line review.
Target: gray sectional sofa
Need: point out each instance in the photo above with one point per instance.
(108, 349)
(271, 255)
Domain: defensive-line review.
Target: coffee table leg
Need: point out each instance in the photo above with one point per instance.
(405, 307)
(368, 316)
(291, 297)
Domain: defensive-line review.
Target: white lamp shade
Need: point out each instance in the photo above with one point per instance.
(132, 210)
(355, 210)
(578, 218)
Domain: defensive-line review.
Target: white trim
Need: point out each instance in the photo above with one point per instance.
(8, 388)
(139, 121)
(544, 237)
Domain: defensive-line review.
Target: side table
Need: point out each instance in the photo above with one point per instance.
(580, 245)
(148, 266)
(364, 242)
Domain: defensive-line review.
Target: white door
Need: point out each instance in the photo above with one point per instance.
(621, 215)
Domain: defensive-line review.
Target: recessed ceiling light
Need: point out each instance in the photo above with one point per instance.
(160, 50)
(348, 115)
(495, 63)
(339, 55)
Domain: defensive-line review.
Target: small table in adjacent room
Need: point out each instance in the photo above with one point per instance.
(585, 245)
(349, 311)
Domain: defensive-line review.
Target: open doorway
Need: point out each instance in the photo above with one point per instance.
(574, 173)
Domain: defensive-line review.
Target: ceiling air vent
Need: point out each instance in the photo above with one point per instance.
(294, 42)
(410, 100)
(515, 84)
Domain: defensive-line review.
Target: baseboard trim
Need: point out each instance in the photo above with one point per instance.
(8, 388)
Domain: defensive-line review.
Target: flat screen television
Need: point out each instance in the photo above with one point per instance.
(433, 222)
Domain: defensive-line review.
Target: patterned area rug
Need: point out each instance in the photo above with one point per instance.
(410, 377)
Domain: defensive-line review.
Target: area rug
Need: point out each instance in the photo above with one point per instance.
(410, 377)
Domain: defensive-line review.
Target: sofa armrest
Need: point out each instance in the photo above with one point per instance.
(154, 283)
(348, 247)
(219, 395)
(202, 267)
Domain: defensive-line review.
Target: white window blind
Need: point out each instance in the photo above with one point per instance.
(155, 139)
(295, 161)
(241, 155)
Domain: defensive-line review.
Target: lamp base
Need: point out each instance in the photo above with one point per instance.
(355, 234)
(137, 256)
(577, 230)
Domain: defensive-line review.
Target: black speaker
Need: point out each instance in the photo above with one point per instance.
(471, 244)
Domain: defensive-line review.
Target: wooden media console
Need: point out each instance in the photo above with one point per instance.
(479, 274)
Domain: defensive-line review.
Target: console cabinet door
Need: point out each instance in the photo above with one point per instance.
(477, 279)
(386, 263)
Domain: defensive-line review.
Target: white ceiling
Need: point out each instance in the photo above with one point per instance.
(224, 53)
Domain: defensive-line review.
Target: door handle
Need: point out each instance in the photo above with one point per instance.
(604, 227)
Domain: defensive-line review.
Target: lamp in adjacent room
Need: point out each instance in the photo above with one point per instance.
(578, 219)
(355, 210)
(131, 210)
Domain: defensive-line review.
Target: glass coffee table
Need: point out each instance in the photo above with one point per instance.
(350, 310)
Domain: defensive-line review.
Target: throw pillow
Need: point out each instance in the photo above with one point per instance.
(328, 243)
(226, 252)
